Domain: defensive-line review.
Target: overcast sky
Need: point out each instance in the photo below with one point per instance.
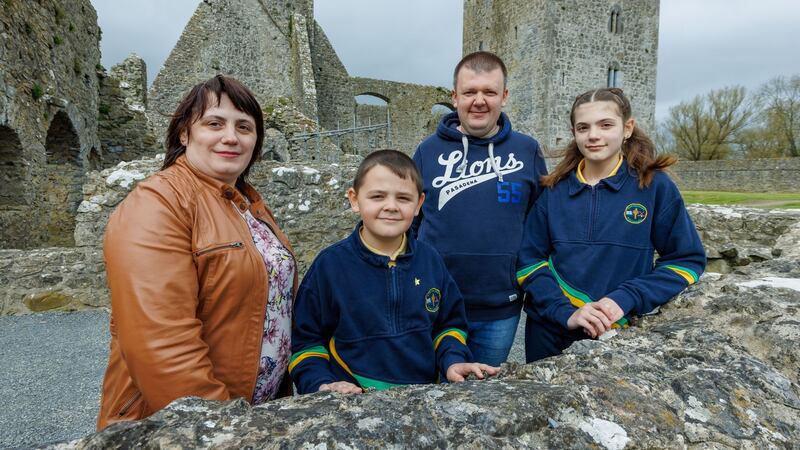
(703, 44)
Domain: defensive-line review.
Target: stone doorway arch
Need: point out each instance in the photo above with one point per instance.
(64, 180)
(12, 170)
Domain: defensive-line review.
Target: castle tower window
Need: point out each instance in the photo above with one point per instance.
(614, 76)
(615, 20)
(65, 175)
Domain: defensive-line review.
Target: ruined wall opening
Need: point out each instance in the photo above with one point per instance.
(65, 174)
(438, 111)
(371, 122)
(12, 169)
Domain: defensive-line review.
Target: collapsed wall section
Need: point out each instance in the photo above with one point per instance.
(257, 54)
(48, 116)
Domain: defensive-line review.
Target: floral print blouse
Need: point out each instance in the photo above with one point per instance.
(276, 344)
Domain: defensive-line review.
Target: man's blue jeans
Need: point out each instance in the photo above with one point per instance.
(491, 340)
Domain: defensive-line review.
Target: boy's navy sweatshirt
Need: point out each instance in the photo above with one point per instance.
(360, 319)
(583, 243)
(477, 195)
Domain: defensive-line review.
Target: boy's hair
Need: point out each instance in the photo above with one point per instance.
(398, 162)
(481, 62)
(639, 150)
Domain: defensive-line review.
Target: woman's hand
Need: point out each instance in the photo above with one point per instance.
(458, 372)
(342, 387)
(592, 318)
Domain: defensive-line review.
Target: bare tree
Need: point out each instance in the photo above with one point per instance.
(780, 98)
(705, 127)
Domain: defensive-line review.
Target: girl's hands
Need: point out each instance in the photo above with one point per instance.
(595, 317)
(342, 387)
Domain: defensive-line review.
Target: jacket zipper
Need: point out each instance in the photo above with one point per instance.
(219, 247)
(394, 297)
(592, 212)
(128, 404)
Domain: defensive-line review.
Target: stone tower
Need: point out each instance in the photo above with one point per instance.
(557, 49)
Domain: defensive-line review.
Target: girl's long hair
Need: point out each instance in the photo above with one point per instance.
(639, 150)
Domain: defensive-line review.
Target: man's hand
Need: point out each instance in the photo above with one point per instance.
(458, 372)
(342, 387)
(592, 318)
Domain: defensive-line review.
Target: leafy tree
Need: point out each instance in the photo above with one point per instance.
(706, 127)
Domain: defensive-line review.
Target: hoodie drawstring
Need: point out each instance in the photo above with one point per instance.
(463, 165)
(494, 163)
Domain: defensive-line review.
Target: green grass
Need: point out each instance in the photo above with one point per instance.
(757, 199)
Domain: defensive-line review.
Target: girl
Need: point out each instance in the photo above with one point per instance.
(587, 256)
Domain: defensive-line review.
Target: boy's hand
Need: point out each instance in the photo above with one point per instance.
(458, 372)
(342, 387)
(592, 318)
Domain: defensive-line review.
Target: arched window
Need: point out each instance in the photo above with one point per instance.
(12, 169)
(615, 20)
(65, 176)
(614, 76)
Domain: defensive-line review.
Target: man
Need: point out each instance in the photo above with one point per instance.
(480, 180)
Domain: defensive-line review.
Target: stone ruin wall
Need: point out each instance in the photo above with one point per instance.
(48, 117)
(309, 202)
(207, 47)
(748, 175)
(122, 124)
(557, 49)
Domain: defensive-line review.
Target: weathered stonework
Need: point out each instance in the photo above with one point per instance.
(48, 117)
(122, 124)
(409, 108)
(257, 54)
(716, 368)
(750, 175)
(557, 49)
(309, 203)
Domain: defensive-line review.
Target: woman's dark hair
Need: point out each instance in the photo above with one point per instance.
(639, 150)
(194, 105)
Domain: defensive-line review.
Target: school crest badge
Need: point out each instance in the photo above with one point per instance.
(432, 299)
(635, 213)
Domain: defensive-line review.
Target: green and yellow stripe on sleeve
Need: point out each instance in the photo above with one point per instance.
(312, 352)
(527, 271)
(684, 272)
(578, 298)
(459, 335)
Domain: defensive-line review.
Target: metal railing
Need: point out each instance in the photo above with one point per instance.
(370, 130)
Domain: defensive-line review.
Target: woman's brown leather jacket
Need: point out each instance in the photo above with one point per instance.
(188, 294)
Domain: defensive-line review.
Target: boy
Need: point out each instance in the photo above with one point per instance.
(378, 309)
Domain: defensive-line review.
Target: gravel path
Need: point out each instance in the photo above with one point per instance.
(51, 368)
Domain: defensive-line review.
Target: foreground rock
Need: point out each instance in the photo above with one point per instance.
(717, 368)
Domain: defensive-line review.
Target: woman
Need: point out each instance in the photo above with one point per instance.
(202, 279)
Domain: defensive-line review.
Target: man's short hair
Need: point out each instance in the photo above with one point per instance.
(481, 62)
(398, 162)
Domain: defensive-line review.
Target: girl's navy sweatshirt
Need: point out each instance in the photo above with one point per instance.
(583, 243)
(477, 195)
